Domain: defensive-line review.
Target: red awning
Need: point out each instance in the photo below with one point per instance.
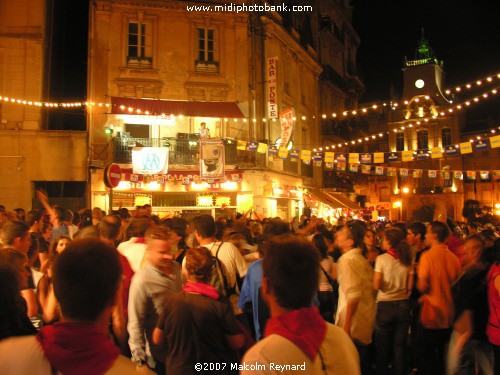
(175, 107)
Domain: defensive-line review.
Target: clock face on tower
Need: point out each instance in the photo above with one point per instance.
(419, 83)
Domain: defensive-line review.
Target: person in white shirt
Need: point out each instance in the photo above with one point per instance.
(393, 279)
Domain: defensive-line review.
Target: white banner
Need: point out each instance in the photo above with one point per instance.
(287, 124)
(150, 160)
(272, 85)
(212, 158)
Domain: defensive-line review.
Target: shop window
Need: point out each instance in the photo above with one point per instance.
(400, 141)
(140, 44)
(445, 137)
(207, 59)
(422, 139)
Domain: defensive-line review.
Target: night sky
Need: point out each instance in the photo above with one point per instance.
(464, 34)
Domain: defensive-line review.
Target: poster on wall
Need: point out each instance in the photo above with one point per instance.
(150, 160)
(212, 158)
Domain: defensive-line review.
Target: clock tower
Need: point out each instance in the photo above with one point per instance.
(424, 75)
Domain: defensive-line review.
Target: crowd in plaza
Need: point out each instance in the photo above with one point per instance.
(129, 292)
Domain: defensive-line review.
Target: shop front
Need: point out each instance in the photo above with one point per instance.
(330, 206)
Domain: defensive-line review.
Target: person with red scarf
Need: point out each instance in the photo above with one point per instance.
(297, 340)
(87, 282)
(198, 323)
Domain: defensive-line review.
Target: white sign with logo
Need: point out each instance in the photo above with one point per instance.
(212, 158)
(150, 160)
(272, 85)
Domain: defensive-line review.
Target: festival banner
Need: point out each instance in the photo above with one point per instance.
(403, 172)
(458, 175)
(353, 157)
(417, 173)
(407, 155)
(272, 151)
(422, 154)
(432, 174)
(481, 145)
(294, 153)
(212, 158)
(341, 166)
(241, 145)
(317, 156)
(283, 152)
(465, 148)
(495, 141)
(471, 175)
(366, 169)
(318, 163)
(150, 160)
(393, 157)
(379, 171)
(353, 167)
(366, 158)
(262, 148)
(329, 157)
(305, 155)
(253, 146)
(329, 165)
(436, 153)
(341, 158)
(391, 171)
(451, 151)
(484, 175)
(496, 173)
(378, 157)
(287, 120)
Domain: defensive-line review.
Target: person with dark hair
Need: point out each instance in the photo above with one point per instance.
(327, 296)
(469, 347)
(437, 271)
(14, 320)
(57, 216)
(87, 276)
(34, 220)
(393, 279)
(356, 307)
(251, 296)
(198, 323)
(151, 287)
(371, 250)
(20, 214)
(297, 335)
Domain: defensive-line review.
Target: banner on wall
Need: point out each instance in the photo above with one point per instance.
(272, 86)
(212, 158)
(287, 121)
(150, 160)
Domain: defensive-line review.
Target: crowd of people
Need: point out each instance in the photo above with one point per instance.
(128, 292)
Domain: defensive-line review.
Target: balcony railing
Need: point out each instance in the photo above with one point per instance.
(185, 151)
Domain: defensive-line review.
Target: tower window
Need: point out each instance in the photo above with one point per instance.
(445, 137)
(422, 139)
(400, 141)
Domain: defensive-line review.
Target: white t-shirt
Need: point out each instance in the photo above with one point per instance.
(24, 355)
(394, 278)
(134, 252)
(337, 351)
(324, 285)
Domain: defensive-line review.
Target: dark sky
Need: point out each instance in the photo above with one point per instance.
(464, 34)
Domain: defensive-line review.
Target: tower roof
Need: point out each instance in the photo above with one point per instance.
(424, 54)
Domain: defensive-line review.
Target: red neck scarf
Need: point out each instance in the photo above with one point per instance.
(78, 348)
(140, 240)
(201, 288)
(393, 253)
(305, 328)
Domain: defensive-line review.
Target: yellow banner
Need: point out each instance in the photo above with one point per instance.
(353, 158)
(262, 148)
(241, 145)
(407, 155)
(495, 141)
(436, 153)
(305, 155)
(329, 157)
(465, 148)
(283, 152)
(378, 157)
